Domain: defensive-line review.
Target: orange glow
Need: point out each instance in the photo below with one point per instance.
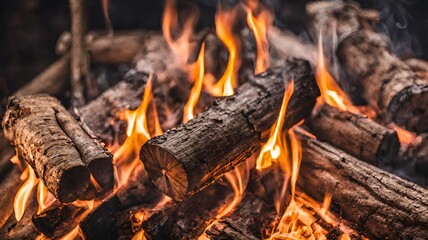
(44, 197)
(181, 45)
(405, 137)
(274, 148)
(126, 156)
(331, 93)
(72, 234)
(197, 86)
(224, 28)
(139, 236)
(259, 26)
(24, 193)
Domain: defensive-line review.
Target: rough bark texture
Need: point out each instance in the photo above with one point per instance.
(56, 146)
(355, 134)
(190, 157)
(187, 219)
(250, 220)
(385, 81)
(58, 219)
(382, 205)
(138, 192)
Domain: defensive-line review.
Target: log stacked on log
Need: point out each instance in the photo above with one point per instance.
(355, 134)
(385, 81)
(379, 203)
(188, 158)
(56, 146)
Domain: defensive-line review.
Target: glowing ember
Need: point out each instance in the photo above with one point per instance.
(405, 137)
(126, 156)
(224, 27)
(197, 86)
(24, 193)
(259, 26)
(273, 149)
(331, 93)
(72, 234)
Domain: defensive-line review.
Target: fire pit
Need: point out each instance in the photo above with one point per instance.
(241, 130)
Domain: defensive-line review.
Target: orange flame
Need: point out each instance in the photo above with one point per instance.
(72, 234)
(180, 46)
(274, 148)
(224, 28)
(259, 26)
(405, 137)
(24, 193)
(331, 93)
(44, 197)
(126, 156)
(197, 86)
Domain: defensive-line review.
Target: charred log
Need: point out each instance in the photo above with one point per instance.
(63, 155)
(385, 81)
(355, 134)
(379, 203)
(186, 159)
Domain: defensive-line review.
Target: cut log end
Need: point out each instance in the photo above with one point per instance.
(408, 108)
(389, 147)
(73, 182)
(165, 171)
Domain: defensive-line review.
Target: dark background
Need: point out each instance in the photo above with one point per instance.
(29, 29)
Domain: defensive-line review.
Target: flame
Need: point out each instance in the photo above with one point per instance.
(44, 197)
(72, 234)
(273, 149)
(24, 193)
(180, 46)
(405, 137)
(107, 20)
(197, 86)
(126, 156)
(331, 93)
(259, 26)
(224, 23)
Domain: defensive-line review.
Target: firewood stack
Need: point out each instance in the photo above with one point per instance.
(110, 172)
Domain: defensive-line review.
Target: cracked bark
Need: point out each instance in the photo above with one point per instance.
(56, 146)
(382, 205)
(384, 81)
(355, 134)
(186, 159)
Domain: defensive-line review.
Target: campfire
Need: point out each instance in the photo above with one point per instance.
(238, 131)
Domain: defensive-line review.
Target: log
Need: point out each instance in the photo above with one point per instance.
(419, 66)
(187, 219)
(384, 81)
(138, 192)
(252, 219)
(355, 134)
(25, 124)
(186, 159)
(382, 205)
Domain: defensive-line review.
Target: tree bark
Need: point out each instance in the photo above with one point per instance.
(186, 159)
(385, 81)
(355, 134)
(63, 155)
(381, 205)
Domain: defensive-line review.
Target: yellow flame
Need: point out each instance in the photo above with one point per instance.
(44, 197)
(224, 28)
(24, 193)
(126, 156)
(273, 149)
(259, 26)
(331, 93)
(197, 86)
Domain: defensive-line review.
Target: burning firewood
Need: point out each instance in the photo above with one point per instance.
(381, 204)
(355, 134)
(188, 158)
(61, 156)
(385, 81)
(10, 185)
